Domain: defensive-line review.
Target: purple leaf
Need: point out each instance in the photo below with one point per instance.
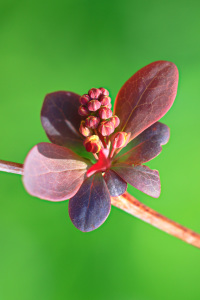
(141, 177)
(116, 185)
(53, 173)
(90, 207)
(61, 121)
(147, 145)
(146, 97)
(158, 132)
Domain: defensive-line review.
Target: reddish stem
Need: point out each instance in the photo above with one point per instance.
(103, 141)
(107, 140)
(112, 152)
(132, 206)
(101, 138)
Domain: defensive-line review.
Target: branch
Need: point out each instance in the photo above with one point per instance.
(132, 206)
(11, 167)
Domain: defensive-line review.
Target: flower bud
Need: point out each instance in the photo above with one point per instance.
(84, 130)
(92, 122)
(83, 111)
(120, 139)
(115, 121)
(106, 128)
(105, 113)
(104, 91)
(105, 100)
(109, 105)
(94, 93)
(94, 105)
(84, 99)
(92, 144)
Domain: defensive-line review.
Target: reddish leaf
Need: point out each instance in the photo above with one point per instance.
(90, 207)
(141, 177)
(146, 97)
(53, 173)
(61, 121)
(147, 145)
(116, 185)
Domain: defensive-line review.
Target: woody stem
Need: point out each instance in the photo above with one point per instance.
(11, 167)
(132, 206)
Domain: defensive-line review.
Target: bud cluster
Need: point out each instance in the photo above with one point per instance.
(96, 110)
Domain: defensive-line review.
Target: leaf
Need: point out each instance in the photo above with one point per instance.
(61, 121)
(90, 207)
(141, 177)
(53, 173)
(116, 185)
(146, 97)
(146, 146)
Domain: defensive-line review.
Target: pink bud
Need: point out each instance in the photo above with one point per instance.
(105, 113)
(83, 111)
(84, 130)
(105, 100)
(84, 99)
(94, 93)
(92, 122)
(120, 139)
(106, 128)
(115, 121)
(104, 91)
(109, 105)
(94, 105)
(92, 144)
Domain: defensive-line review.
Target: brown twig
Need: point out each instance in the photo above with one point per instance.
(11, 167)
(132, 206)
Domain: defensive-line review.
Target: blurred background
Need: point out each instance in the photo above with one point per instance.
(47, 46)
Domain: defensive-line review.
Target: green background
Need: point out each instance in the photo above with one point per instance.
(47, 46)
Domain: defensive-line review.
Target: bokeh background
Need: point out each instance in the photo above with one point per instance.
(74, 45)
